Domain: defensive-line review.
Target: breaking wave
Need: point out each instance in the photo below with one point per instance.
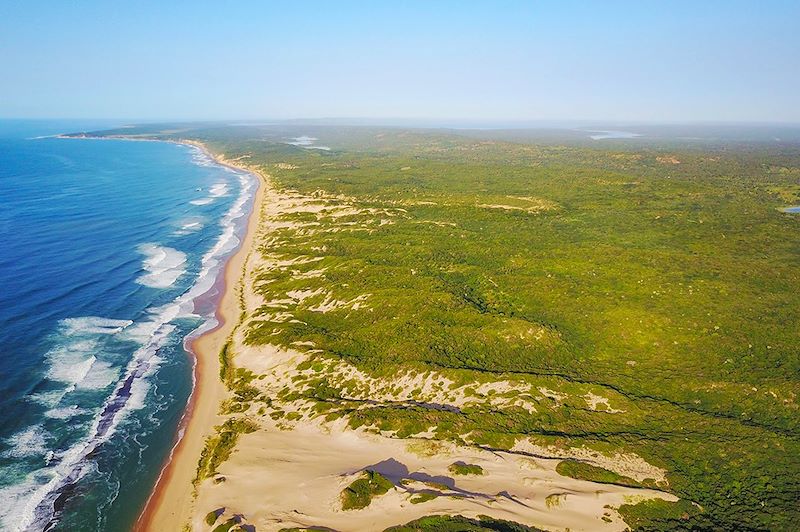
(163, 265)
(94, 353)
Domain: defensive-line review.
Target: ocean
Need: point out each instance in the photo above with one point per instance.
(110, 251)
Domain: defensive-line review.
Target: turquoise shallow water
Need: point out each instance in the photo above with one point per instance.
(110, 251)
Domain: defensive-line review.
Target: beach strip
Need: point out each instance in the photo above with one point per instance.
(170, 505)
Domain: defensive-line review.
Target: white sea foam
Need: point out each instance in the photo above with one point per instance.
(200, 157)
(216, 191)
(32, 506)
(187, 229)
(49, 398)
(71, 361)
(65, 412)
(94, 325)
(29, 442)
(9, 500)
(163, 265)
(29, 504)
(226, 242)
(140, 386)
(100, 375)
(79, 360)
(220, 189)
(189, 225)
(143, 331)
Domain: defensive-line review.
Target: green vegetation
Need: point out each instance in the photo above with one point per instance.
(359, 494)
(553, 500)
(656, 514)
(226, 526)
(211, 518)
(238, 381)
(220, 446)
(584, 471)
(648, 289)
(225, 365)
(425, 496)
(460, 468)
(458, 523)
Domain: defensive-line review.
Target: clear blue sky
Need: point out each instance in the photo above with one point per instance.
(640, 60)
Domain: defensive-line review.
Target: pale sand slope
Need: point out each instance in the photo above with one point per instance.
(279, 478)
(291, 473)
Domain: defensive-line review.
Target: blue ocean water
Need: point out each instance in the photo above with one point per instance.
(109, 254)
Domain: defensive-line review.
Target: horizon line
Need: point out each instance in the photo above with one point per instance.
(408, 122)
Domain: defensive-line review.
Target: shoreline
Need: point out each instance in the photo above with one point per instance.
(223, 266)
(172, 496)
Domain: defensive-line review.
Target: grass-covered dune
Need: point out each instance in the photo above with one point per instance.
(649, 295)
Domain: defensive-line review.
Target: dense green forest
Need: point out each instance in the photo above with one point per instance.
(649, 288)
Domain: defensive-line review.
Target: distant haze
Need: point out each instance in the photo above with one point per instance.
(417, 60)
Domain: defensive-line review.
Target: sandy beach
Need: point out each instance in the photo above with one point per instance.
(171, 502)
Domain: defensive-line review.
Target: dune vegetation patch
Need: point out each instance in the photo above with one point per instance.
(458, 523)
(360, 492)
(460, 468)
(584, 471)
(220, 446)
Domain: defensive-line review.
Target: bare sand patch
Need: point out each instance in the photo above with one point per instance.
(279, 478)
